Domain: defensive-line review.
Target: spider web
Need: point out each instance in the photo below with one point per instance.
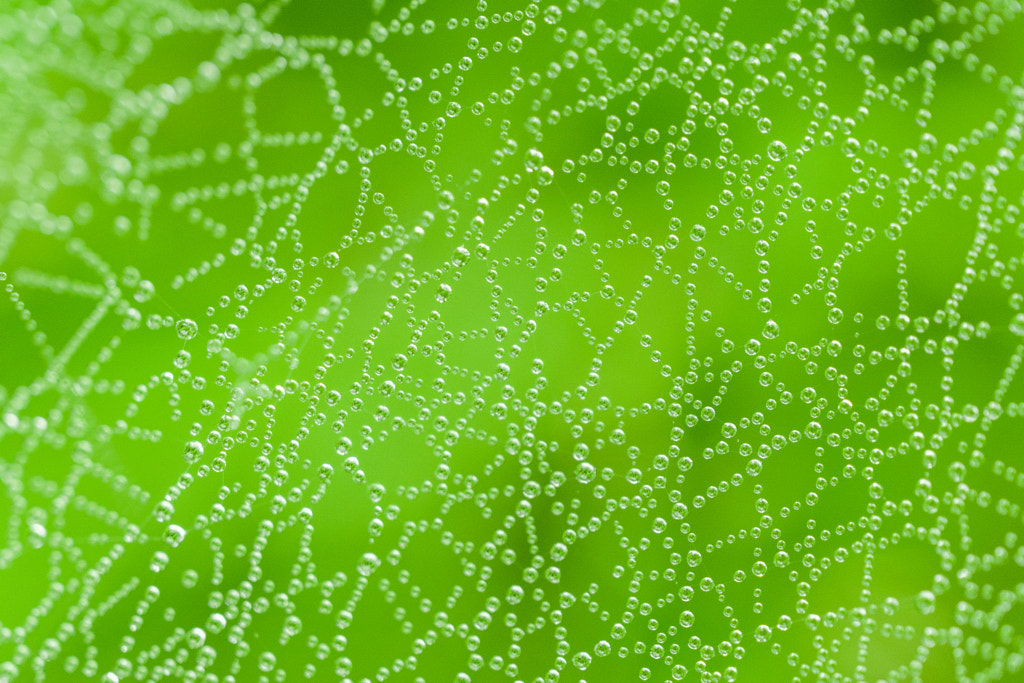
(440, 341)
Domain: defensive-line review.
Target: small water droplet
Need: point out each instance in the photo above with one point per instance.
(777, 150)
(186, 329)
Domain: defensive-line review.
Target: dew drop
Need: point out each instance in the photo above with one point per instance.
(777, 150)
(186, 329)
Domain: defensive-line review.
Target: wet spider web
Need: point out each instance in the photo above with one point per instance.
(453, 341)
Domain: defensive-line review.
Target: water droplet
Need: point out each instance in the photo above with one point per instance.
(368, 564)
(925, 602)
(174, 535)
(1017, 324)
(186, 329)
(777, 150)
(193, 452)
